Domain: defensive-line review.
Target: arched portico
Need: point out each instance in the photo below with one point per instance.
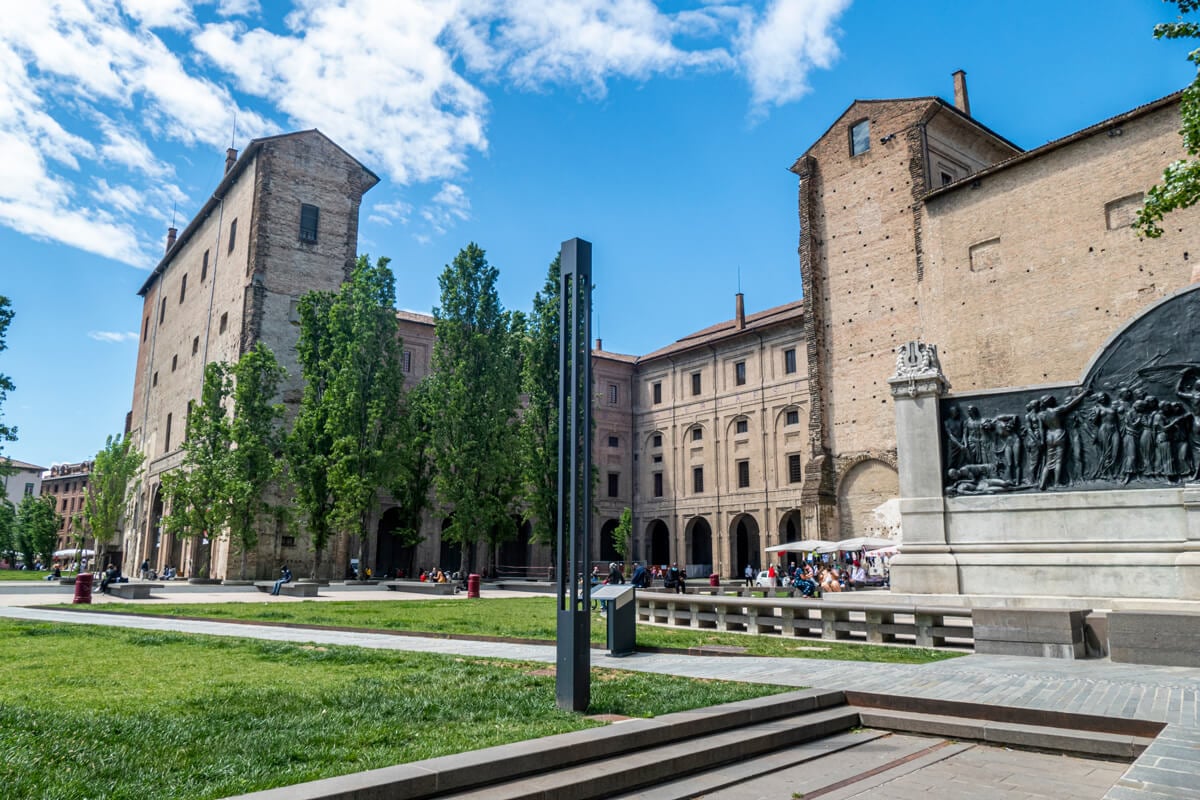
(746, 544)
(659, 538)
(698, 546)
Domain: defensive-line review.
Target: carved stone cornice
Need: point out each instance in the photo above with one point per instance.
(918, 371)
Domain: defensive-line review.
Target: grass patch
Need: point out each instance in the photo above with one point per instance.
(27, 574)
(522, 618)
(107, 712)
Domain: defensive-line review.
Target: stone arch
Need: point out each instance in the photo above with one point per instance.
(699, 548)
(687, 434)
(791, 528)
(731, 426)
(745, 542)
(390, 554)
(866, 485)
(608, 552)
(659, 537)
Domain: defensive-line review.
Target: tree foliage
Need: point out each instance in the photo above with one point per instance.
(1180, 186)
(8, 532)
(346, 439)
(197, 494)
(7, 434)
(37, 528)
(539, 426)
(414, 465)
(257, 440)
(110, 485)
(622, 535)
(476, 381)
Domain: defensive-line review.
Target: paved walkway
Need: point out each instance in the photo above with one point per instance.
(1171, 768)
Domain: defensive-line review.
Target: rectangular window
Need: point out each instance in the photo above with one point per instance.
(183, 288)
(656, 390)
(697, 434)
(795, 474)
(656, 441)
(145, 329)
(204, 267)
(232, 235)
(408, 360)
(29, 489)
(656, 459)
(167, 437)
(743, 469)
(658, 486)
(308, 222)
(739, 373)
(154, 380)
(698, 480)
(695, 383)
(224, 322)
(287, 541)
(613, 441)
(792, 418)
(613, 394)
(162, 311)
(614, 484)
(187, 420)
(741, 426)
(174, 362)
(860, 137)
(195, 345)
(789, 361)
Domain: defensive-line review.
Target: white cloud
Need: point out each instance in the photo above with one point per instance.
(115, 337)
(238, 8)
(387, 213)
(450, 205)
(161, 13)
(791, 38)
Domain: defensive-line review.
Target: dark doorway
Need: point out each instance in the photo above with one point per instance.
(746, 545)
(608, 550)
(699, 563)
(391, 558)
(512, 557)
(660, 543)
(790, 528)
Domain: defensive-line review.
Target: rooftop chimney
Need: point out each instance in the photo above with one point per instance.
(230, 158)
(740, 311)
(171, 234)
(599, 343)
(960, 93)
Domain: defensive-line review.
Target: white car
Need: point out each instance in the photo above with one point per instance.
(763, 579)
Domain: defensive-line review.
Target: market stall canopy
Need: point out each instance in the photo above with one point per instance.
(71, 553)
(802, 546)
(885, 551)
(858, 543)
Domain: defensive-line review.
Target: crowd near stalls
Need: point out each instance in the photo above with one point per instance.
(814, 565)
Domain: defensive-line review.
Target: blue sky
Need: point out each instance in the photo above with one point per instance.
(662, 132)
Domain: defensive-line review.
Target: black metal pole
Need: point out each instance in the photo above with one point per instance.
(573, 679)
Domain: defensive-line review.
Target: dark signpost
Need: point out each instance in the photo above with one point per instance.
(573, 681)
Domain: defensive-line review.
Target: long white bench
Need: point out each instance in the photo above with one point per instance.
(293, 589)
(133, 591)
(421, 587)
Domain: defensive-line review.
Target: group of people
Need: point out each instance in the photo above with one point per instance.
(644, 576)
(435, 575)
(147, 573)
(1129, 435)
(812, 578)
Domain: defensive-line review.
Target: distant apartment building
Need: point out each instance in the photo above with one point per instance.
(67, 484)
(25, 479)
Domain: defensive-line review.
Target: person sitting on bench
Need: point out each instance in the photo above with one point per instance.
(285, 576)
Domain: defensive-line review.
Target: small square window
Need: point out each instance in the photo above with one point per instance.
(656, 440)
(657, 459)
(743, 474)
(695, 383)
(224, 322)
(308, 223)
(613, 441)
(789, 361)
(614, 484)
(287, 541)
(232, 235)
(697, 434)
(656, 391)
(658, 484)
(739, 373)
(792, 418)
(860, 137)
(613, 394)
(795, 474)
(698, 480)
(741, 426)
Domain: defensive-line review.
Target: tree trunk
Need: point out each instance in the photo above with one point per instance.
(316, 571)
(243, 562)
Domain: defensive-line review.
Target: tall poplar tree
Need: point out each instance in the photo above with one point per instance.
(7, 434)
(257, 440)
(37, 527)
(539, 426)
(197, 494)
(112, 481)
(475, 383)
(344, 445)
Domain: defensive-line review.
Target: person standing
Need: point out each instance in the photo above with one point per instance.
(749, 573)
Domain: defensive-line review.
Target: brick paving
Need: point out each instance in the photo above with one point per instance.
(1169, 769)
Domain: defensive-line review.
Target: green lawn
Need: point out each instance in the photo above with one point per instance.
(25, 574)
(520, 618)
(107, 712)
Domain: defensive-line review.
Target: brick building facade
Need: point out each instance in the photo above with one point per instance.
(67, 484)
(918, 222)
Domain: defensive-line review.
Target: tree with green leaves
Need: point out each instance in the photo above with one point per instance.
(7, 434)
(347, 436)
(414, 466)
(539, 425)
(476, 382)
(37, 528)
(257, 439)
(8, 532)
(111, 484)
(1180, 186)
(622, 536)
(197, 494)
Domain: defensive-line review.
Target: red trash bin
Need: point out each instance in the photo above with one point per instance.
(83, 588)
(472, 585)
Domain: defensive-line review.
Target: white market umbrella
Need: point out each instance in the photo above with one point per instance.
(802, 546)
(885, 551)
(71, 553)
(858, 543)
